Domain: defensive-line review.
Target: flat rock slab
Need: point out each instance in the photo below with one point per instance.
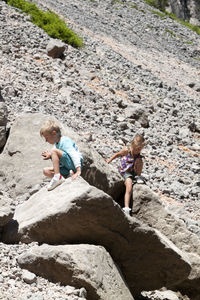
(85, 266)
(147, 207)
(76, 212)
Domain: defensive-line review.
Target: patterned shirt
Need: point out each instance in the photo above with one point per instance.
(127, 163)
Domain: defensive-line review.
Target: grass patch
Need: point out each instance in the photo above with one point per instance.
(49, 22)
(159, 4)
(113, 2)
(158, 13)
(170, 32)
(131, 5)
(188, 42)
(196, 58)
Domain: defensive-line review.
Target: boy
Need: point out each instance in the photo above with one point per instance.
(65, 155)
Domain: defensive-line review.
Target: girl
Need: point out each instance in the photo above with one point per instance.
(130, 166)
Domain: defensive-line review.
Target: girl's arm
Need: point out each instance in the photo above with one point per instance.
(120, 153)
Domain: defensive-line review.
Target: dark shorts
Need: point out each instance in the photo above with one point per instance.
(129, 175)
(66, 164)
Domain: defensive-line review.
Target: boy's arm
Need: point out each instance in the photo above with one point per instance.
(76, 158)
(47, 154)
(120, 153)
(77, 174)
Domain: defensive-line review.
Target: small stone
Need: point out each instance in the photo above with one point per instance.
(83, 293)
(28, 277)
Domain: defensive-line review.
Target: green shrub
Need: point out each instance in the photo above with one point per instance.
(49, 22)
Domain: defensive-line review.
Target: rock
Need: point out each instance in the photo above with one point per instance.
(55, 48)
(21, 158)
(136, 111)
(3, 114)
(28, 277)
(76, 212)
(2, 136)
(163, 295)
(78, 265)
(147, 207)
(3, 122)
(6, 211)
(83, 293)
(194, 126)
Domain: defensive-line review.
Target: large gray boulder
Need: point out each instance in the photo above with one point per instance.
(76, 212)
(148, 208)
(21, 161)
(22, 164)
(81, 265)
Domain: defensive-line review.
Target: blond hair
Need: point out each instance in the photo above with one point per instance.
(49, 126)
(138, 140)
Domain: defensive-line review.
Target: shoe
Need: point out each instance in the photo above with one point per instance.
(140, 180)
(126, 210)
(55, 182)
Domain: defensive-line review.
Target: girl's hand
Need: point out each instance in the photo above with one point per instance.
(46, 155)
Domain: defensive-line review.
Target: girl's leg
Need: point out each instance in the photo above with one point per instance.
(49, 172)
(127, 197)
(138, 166)
(56, 155)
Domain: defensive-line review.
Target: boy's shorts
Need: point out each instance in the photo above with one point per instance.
(66, 164)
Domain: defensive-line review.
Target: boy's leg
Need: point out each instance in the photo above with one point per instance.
(49, 172)
(57, 179)
(56, 155)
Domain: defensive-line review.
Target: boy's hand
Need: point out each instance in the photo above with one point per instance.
(74, 176)
(46, 155)
(77, 174)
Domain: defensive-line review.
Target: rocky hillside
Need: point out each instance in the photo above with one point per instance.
(137, 73)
